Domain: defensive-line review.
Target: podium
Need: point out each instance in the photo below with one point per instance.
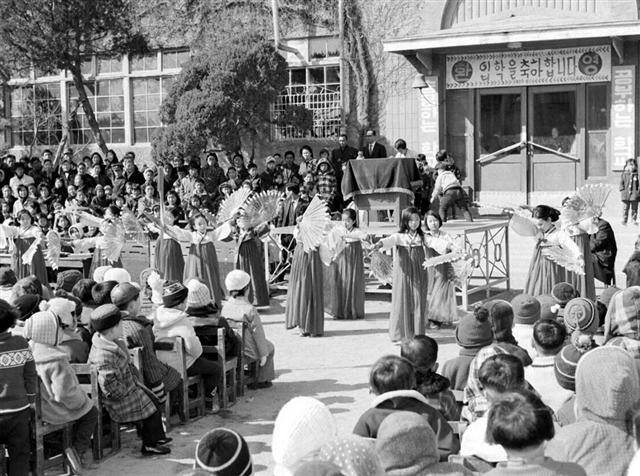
(380, 187)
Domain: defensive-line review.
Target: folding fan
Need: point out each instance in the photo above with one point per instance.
(232, 204)
(444, 258)
(522, 225)
(564, 257)
(87, 219)
(113, 240)
(313, 224)
(132, 227)
(30, 252)
(54, 248)
(462, 269)
(594, 197)
(381, 267)
(260, 208)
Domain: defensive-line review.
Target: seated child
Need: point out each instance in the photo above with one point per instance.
(19, 379)
(548, 340)
(7, 280)
(63, 400)
(392, 380)
(562, 293)
(521, 424)
(498, 374)
(124, 395)
(172, 321)
(526, 312)
(422, 352)
(256, 346)
(71, 341)
(82, 290)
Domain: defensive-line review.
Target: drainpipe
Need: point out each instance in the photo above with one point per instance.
(276, 30)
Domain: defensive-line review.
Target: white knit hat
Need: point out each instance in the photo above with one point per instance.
(98, 274)
(199, 295)
(63, 308)
(117, 274)
(237, 280)
(302, 426)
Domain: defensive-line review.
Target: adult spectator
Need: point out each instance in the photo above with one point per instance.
(342, 154)
(268, 177)
(87, 180)
(241, 170)
(48, 174)
(131, 172)
(66, 171)
(308, 164)
(189, 182)
(289, 168)
(372, 148)
(20, 178)
(212, 174)
(401, 149)
(36, 170)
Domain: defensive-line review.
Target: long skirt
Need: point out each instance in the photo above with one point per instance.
(347, 285)
(543, 274)
(409, 294)
(305, 297)
(99, 259)
(442, 292)
(584, 284)
(169, 260)
(37, 265)
(202, 263)
(249, 259)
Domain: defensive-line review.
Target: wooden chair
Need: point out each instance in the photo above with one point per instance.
(88, 377)
(240, 327)
(172, 353)
(228, 392)
(42, 429)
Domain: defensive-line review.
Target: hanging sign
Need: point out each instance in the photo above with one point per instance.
(429, 119)
(528, 68)
(623, 124)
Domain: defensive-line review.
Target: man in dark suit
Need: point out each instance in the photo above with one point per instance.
(339, 158)
(372, 149)
(603, 252)
(290, 209)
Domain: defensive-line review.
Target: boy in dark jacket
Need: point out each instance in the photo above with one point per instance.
(393, 379)
(17, 384)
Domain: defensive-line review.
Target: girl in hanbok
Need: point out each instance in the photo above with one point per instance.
(250, 259)
(347, 283)
(410, 280)
(108, 243)
(26, 251)
(545, 273)
(168, 254)
(442, 290)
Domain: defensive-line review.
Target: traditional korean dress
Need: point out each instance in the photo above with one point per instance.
(250, 258)
(202, 263)
(23, 238)
(442, 289)
(410, 284)
(544, 273)
(347, 275)
(106, 249)
(169, 260)
(585, 284)
(305, 296)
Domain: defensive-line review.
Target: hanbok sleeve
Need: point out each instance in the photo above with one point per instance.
(390, 241)
(181, 233)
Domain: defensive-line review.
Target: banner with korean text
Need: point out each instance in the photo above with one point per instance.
(529, 68)
(623, 123)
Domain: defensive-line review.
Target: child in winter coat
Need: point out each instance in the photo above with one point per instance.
(632, 268)
(63, 400)
(125, 396)
(630, 191)
(256, 346)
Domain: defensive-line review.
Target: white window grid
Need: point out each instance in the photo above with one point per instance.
(36, 107)
(148, 94)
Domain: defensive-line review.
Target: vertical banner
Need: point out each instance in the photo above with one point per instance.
(623, 102)
(429, 127)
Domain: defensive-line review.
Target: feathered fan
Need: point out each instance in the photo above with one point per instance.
(232, 204)
(522, 224)
(444, 258)
(259, 209)
(54, 249)
(87, 219)
(381, 267)
(30, 252)
(132, 227)
(462, 269)
(564, 257)
(313, 224)
(594, 197)
(112, 241)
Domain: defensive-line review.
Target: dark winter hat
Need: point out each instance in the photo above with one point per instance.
(500, 317)
(67, 279)
(82, 290)
(101, 292)
(124, 293)
(173, 293)
(566, 363)
(474, 330)
(563, 293)
(526, 309)
(548, 307)
(105, 317)
(27, 305)
(581, 314)
(607, 294)
(224, 452)
(7, 277)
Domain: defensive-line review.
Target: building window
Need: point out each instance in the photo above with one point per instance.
(148, 94)
(311, 105)
(36, 115)
(174, 59)
(109, 64)
(107, 100)
(598, 98)
(144, 63)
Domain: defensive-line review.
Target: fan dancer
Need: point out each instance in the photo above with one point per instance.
(544, 273)
(442, 290)
(26, 251)
(305, 296)
(202, 261)
(250, 259)
(347, 285)
(107, 245)
(410, 280)
(168, 253)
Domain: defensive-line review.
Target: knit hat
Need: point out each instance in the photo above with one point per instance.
(27, 304)
(124, 293)
(43, 328)
(607, 294)
(98, 274)
(566, 362)
(581, 314)
(302, 426)
(500, 317)
(548, 307)
(120, 275)
(474, 330)
(173, 293)
(406, 444)
(67, 279)
(354, 455)
(224, 452)
(623, 315)
(101, 292)
(562, 293)
(526, 309)
(105, 317)
(237, 280)
(7, 277)
(199, 295)
(64, 309)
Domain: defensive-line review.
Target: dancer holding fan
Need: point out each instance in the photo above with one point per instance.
(26, 252)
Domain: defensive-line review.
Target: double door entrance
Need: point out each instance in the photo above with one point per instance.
(529, 141)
